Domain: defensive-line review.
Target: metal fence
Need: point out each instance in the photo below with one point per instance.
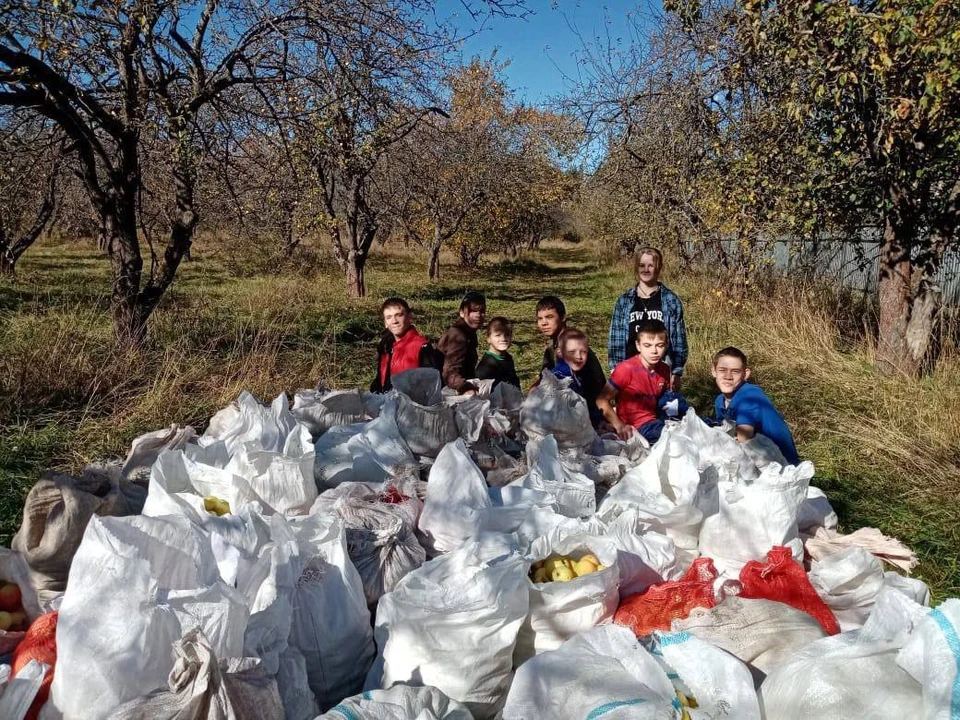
(854, 264)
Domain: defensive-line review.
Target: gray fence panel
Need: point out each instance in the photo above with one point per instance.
(854, 264)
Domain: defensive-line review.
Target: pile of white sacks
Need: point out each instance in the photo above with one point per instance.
(375, 565)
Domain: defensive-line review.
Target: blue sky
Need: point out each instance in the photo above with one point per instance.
(543, 48)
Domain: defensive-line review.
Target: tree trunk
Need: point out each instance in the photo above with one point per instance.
(129, 324)
(356, 286)
(8, 264)
(434, 270)
(435, 248)
(895, 289)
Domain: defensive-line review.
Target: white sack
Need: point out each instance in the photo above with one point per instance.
(320, 411)
(330, 624)
(560, 610)
(246, 420)
(913, 588)
(179, 484)
(18, 694)
(604, 672)
(511, 506)
(145, 449)
(662, 490)
(848, 581)
(373, 452)
(932, 657)
(281, 480)
(452, 624)
(893, 618)
(541, 521)
(841, 679)
(719, 682)
(761, 633)
(334, 455)
(136, 586)
(644, 558)
(422, 385)
(755, 517)
(457, 500)
(552, 408)
(573, 492)
(401, 702)
(381, 538)
(426, 428)
(470, 415)
(816, 511)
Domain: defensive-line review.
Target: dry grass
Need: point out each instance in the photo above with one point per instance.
(886, 449)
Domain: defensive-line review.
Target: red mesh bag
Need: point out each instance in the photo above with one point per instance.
(40, 644)
(661, 604)
(784, 580)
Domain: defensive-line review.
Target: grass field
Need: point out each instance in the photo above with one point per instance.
(887, 451)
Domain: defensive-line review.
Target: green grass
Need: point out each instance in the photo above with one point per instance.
(886, 450)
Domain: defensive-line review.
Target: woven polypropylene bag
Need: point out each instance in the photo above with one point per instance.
(663, 603)
(40, 644)
(783, 579)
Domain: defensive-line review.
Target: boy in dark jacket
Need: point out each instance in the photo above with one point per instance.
(496, 363)
(459, 344)
(401, 348)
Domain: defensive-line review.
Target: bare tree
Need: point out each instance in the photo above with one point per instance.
(34, 153)
(112, 74)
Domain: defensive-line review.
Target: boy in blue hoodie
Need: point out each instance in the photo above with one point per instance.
(746, 405)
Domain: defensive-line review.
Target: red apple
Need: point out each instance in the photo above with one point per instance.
(10, 597)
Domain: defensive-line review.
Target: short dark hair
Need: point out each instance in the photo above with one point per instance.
(571, 334)
(552, 302)
(500, 324)
(473, 299)
(652, 327)
(730, 351)
(394, 302)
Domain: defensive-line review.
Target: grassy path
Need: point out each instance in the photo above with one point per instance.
(887, 451)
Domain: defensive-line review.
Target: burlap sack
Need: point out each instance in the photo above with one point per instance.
(204, 688)
(55, 515)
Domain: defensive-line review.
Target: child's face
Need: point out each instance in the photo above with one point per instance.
(729, 373)
(647, 270)
(473, 315)
(652, 348)
(548, 322)
(499, 341)
(575, 353)
(397, 320)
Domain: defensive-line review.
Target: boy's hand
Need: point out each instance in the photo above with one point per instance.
(625, 432)
(675, 382)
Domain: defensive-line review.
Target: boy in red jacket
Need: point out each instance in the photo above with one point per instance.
(401, 348)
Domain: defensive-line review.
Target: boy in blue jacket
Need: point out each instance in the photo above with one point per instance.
(746, 405)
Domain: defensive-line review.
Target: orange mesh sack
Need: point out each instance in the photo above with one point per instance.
(784, 580)
(661, 604)
(40, 644)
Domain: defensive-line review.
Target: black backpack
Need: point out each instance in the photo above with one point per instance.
(432, 356)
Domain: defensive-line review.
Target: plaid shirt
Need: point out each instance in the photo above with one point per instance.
(672, 318)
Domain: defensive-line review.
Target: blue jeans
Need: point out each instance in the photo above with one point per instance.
(651, 430)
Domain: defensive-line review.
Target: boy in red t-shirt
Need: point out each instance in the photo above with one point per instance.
(637, 385)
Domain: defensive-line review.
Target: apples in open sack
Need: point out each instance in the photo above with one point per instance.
(563, 568)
